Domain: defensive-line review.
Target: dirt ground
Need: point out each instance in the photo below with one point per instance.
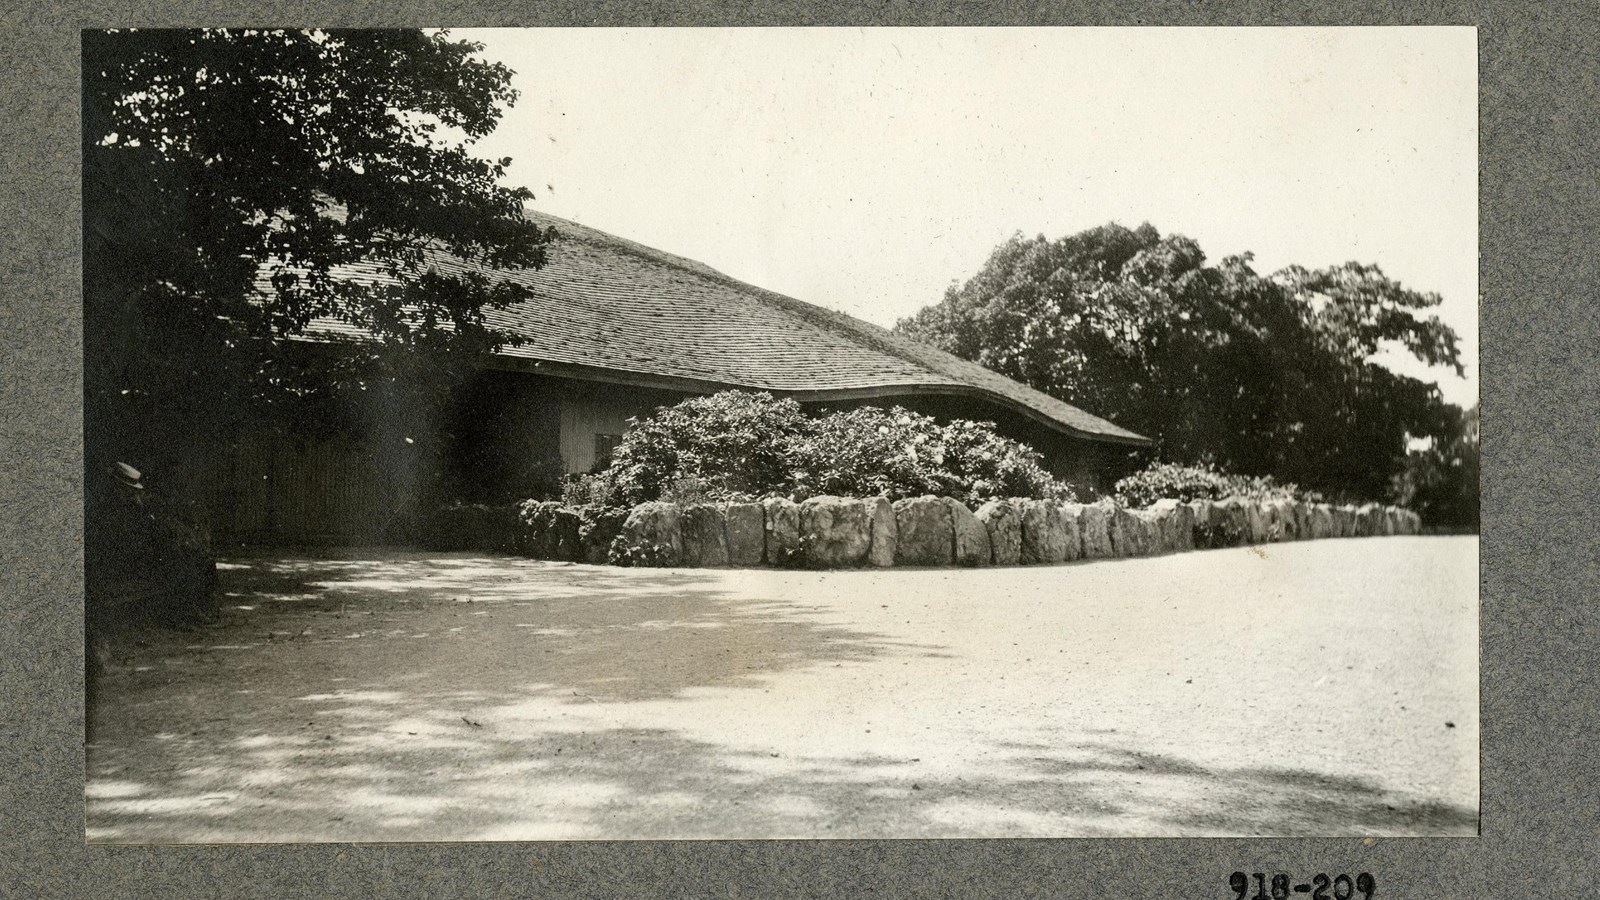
(1319, 688)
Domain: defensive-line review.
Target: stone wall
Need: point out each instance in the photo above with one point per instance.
(847, 532)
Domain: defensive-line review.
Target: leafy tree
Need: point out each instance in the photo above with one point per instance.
(1261, 375)
(232, 181)
(1440, 481)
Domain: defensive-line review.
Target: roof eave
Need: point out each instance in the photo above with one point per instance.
(607, 375)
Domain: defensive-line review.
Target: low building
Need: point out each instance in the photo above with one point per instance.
(616, 330)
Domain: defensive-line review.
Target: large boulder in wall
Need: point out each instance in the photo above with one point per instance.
(1094, 530)
(885, 533)
(1303, 526)
(1150, 532)
(1202, 513)
(1128, 533)
(782, 528)
(1321, 519)
(538, 534)
(598, 526)
(1073, 521)
(1200, 521)
(971, 547)
(1175, 520)
(652, 535)
(1044, 532)
(565, 543)
(1004, 524)
(746, 533)
(1230, 522)
(1072, 529)
(835, 532)
(925, 534)
(549, 530)
(1335, 520)
(1369, 520)
(1260, 522)
(705, 536)
(1280, 520)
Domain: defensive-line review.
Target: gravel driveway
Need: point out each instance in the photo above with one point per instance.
(1318, 688)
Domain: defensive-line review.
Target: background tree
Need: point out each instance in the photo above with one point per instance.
(230, 176)
(1261, 375)
(1440, 481)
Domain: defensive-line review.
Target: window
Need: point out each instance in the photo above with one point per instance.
(603, 445)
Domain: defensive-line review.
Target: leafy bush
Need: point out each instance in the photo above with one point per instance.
(473, 526)
(989, 465)
(869, 451)
(737, 446)
(585, 490)
(1170, 481)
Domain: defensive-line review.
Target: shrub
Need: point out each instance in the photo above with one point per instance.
(474, 527)
(988, 466)
(1171, 481)
(869, 451)
(735, 444)
(585, 490)
(742, 446)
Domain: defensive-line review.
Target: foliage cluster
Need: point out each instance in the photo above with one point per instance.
(739, 445)
(1260, 374)
(1170, 481)
(231, 178)
(1440, 481)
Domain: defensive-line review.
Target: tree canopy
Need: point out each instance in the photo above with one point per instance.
(1262, 375)
(231, 176)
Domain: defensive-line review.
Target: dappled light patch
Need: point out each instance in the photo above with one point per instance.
(112, 789)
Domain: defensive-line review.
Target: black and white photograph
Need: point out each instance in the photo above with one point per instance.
(589, 434)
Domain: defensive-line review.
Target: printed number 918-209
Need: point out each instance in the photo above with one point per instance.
(1339, 887)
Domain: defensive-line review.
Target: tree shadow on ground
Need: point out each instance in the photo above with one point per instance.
(1253, 801)
(263, 727)
(510, 626)
(456, 781)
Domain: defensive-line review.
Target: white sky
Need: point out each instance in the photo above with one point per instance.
(866, 169)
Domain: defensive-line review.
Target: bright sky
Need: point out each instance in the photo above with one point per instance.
(867, 169)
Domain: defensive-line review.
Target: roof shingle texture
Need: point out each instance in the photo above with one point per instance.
(606, 302)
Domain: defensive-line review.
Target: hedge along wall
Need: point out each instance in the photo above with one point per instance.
(842, 532)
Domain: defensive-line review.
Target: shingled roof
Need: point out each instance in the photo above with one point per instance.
(608, 309)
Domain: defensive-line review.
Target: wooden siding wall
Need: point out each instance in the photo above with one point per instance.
(273, 488)
(584, 417)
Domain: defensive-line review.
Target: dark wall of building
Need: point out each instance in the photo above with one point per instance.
(504, 439)
(515, 434)
(510, 436)
(507, 436)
